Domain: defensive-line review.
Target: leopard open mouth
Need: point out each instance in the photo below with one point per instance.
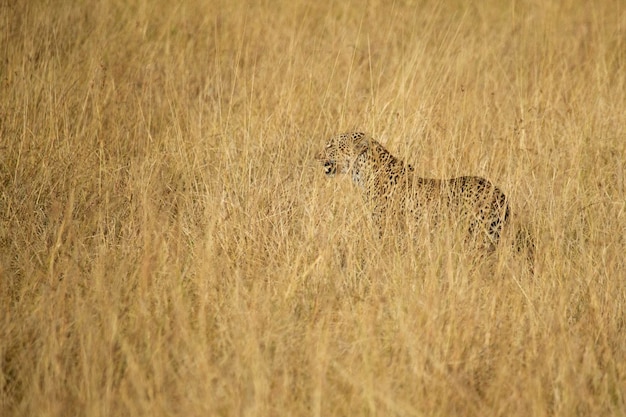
(330, 168)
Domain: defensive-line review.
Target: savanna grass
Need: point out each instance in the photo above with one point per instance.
(168, 246)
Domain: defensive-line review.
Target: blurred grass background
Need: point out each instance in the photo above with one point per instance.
(169, 247)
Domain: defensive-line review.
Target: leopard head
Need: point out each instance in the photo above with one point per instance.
(341, 152)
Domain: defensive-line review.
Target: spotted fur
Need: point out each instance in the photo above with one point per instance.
(396, 194)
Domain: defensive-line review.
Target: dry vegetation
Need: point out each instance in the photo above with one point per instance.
(169, 247)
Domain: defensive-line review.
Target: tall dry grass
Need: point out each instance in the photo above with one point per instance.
(169, 247)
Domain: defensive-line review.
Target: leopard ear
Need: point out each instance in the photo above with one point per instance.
(362, 145)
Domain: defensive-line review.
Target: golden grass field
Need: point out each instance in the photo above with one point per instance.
(169, 247)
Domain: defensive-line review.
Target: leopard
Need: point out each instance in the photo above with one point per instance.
(395, 194)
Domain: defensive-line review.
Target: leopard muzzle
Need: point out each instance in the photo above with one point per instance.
(330, 167)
